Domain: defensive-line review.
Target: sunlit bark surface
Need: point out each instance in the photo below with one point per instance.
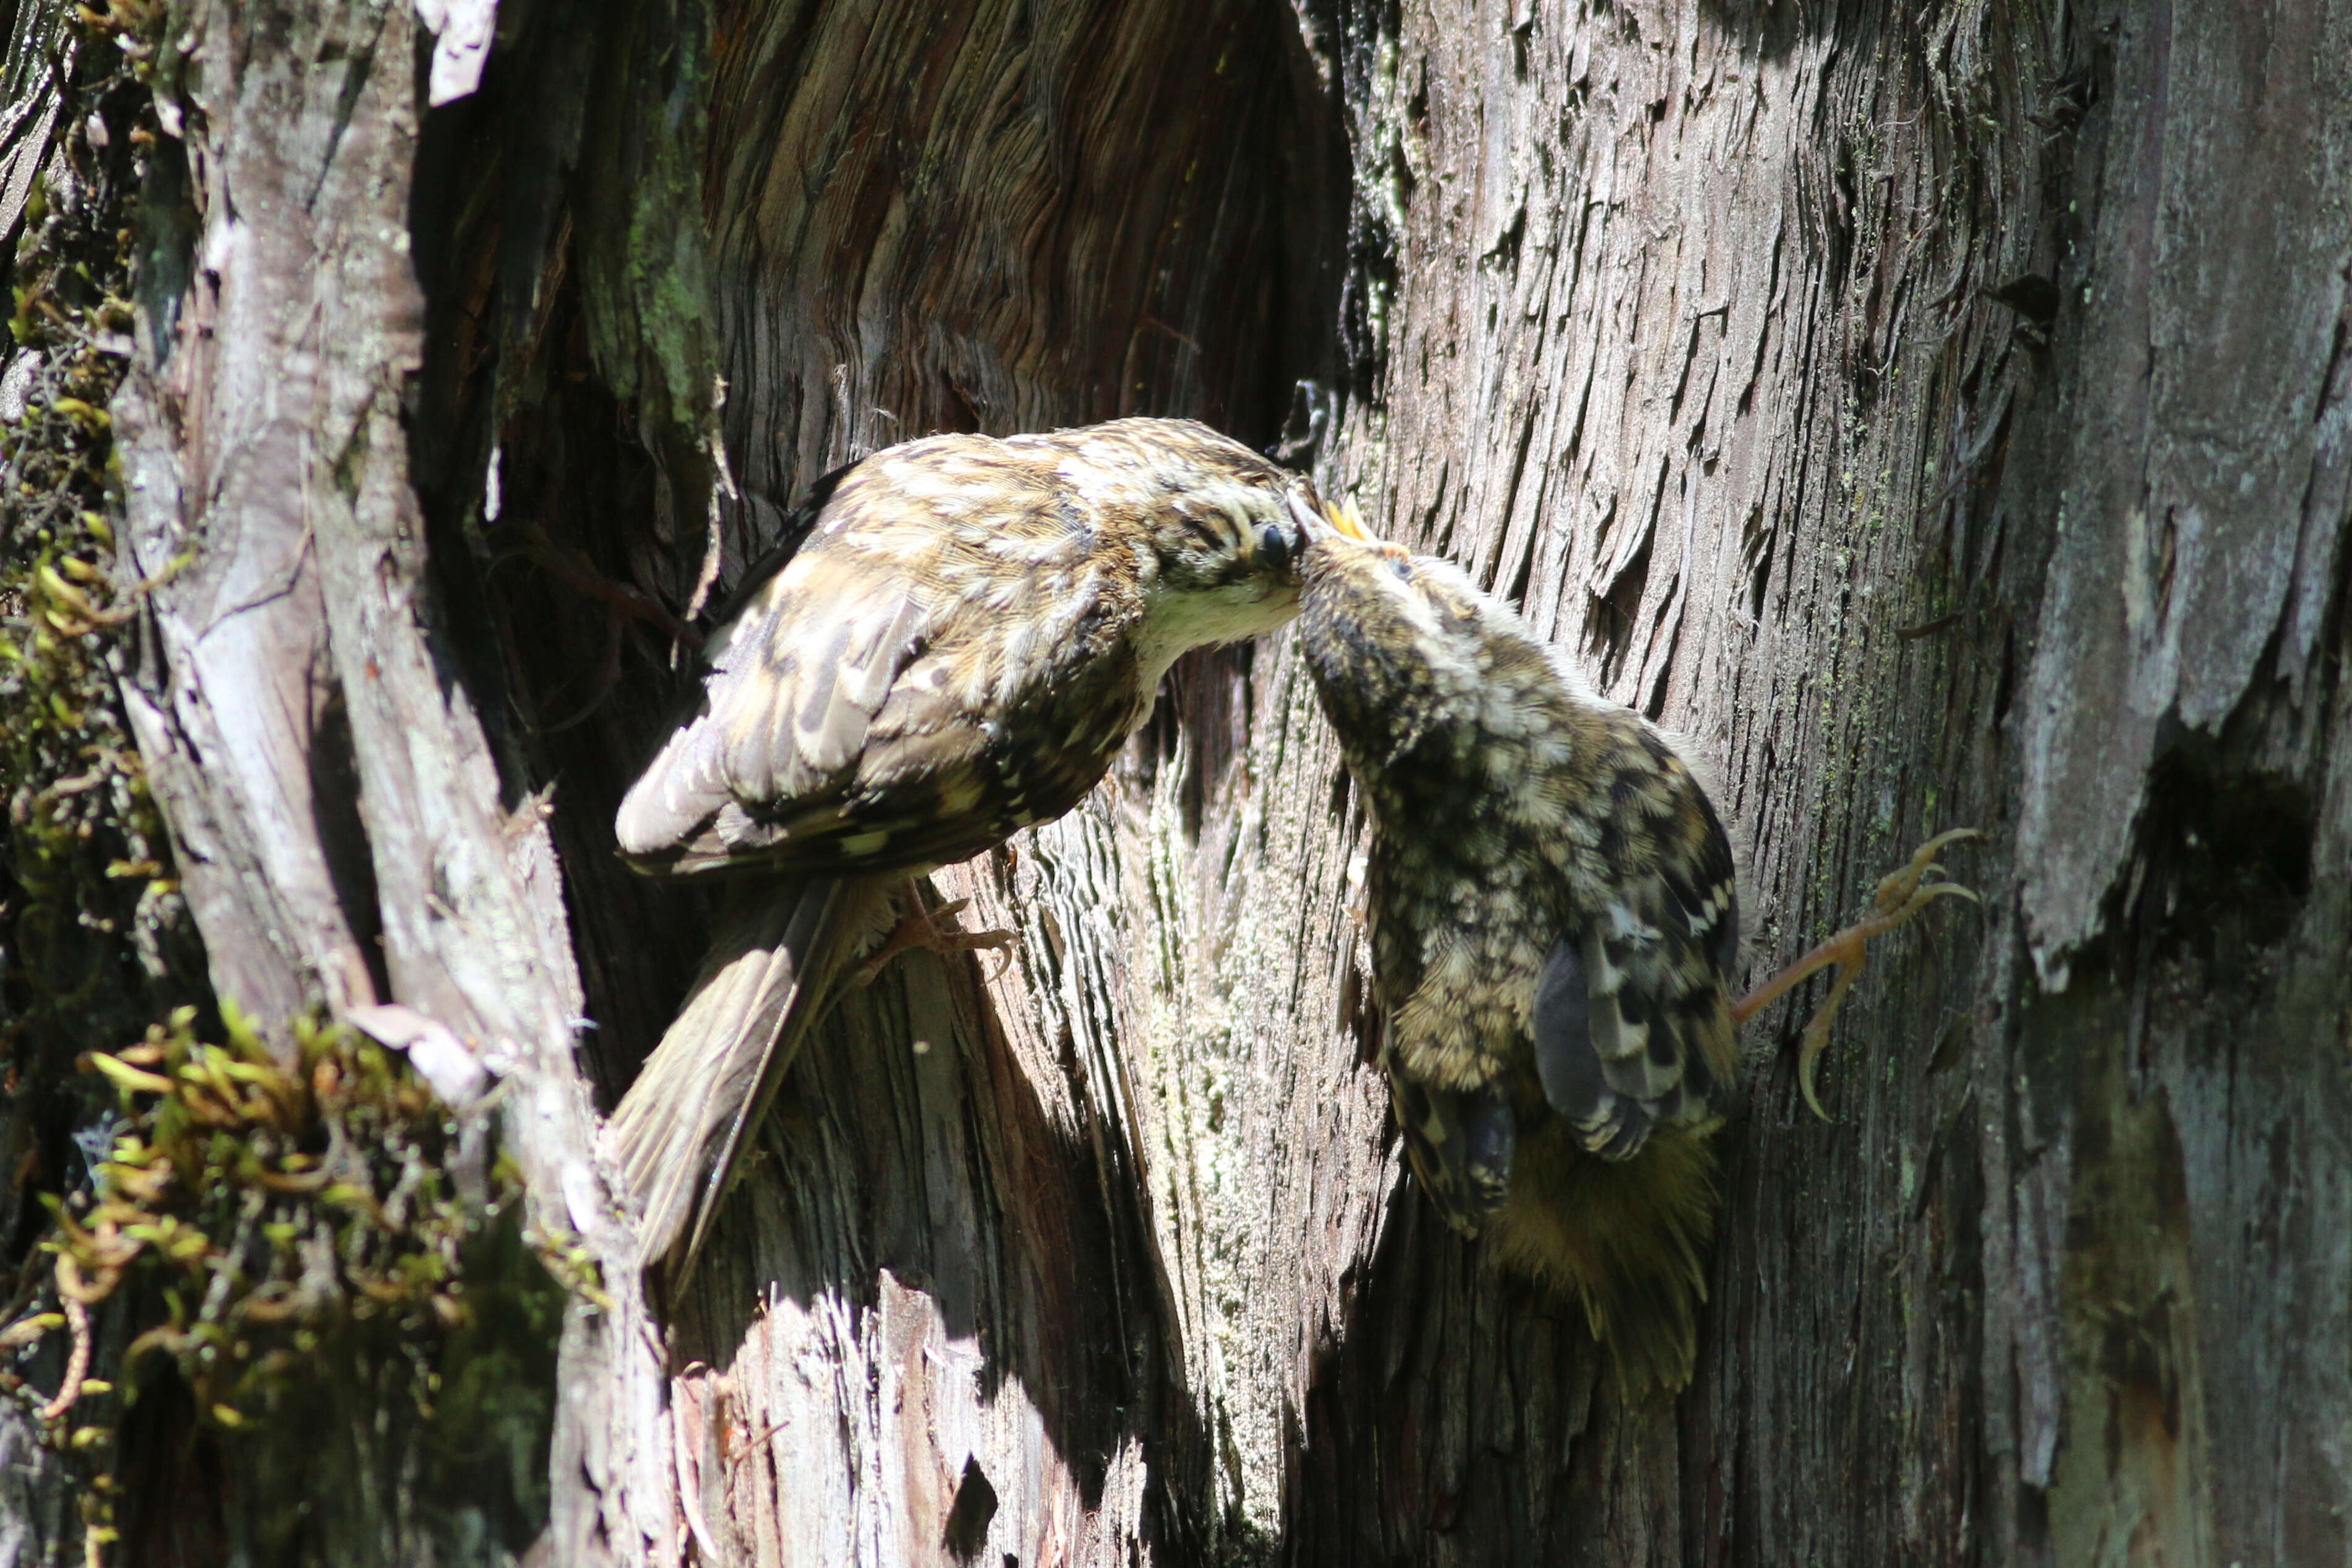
(1938, 419)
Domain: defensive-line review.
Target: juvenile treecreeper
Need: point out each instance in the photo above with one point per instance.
(1553, 910)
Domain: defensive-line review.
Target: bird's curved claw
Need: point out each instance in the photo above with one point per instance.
(932, 931)
(1900, 897)
(1907, 889)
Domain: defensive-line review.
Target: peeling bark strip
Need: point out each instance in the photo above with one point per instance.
(1941, 418)
(334, 806)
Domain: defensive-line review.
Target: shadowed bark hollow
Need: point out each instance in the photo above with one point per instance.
(1939, 419)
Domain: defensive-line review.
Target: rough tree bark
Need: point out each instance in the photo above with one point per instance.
(1939, 417)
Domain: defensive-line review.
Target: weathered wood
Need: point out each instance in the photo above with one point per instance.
(941, 1289)
(336, 812)
(1816, 377)
(1726, 338)
(1939, 419)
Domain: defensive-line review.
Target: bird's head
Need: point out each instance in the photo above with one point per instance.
(1237, 536)
(1392, 637)
(1383, 628)
(1220, 530)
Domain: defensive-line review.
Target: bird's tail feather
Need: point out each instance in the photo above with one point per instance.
(776, 952)
(1628, 1238)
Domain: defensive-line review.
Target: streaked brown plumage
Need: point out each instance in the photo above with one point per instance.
(969, 633)
(1555, 925)
(1554, 921)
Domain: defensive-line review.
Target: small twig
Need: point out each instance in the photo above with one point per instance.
(761, 1441)
(79, 784)
(572, 567)
(1929, 628)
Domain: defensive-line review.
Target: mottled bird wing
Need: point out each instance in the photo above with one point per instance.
(763, 771)
(1631, 1023)
(860, 710)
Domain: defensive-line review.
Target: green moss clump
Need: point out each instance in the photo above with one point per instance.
(301, 1270)
(93, 938)
(303, 1239)
(278, 1203)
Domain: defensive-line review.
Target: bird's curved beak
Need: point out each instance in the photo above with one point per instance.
(1305, 517)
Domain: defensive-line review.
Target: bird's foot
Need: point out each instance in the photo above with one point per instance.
(933, 931)
(1901, 895)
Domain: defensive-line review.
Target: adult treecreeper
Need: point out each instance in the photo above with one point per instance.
(969, 633)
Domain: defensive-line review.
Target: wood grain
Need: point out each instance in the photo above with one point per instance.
(1939, 418)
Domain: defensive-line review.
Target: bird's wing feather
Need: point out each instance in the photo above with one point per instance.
(1461, 1145)
(1632, 1024)
(858, 709)
(783, 721)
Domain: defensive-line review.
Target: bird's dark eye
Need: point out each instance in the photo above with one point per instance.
(1276, 546)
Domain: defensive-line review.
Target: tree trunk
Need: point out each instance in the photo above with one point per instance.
(1939, 420)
